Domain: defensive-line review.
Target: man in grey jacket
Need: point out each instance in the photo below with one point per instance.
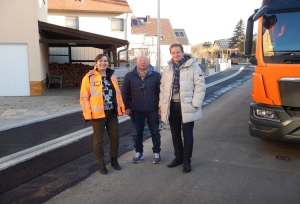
(182, 91)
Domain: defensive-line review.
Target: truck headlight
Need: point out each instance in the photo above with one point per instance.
(265, 114)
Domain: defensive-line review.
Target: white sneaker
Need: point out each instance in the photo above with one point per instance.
(137, 157)
(157, 158)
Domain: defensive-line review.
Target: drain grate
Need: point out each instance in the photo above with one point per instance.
(281, 157)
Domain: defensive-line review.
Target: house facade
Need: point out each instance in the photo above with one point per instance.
(183, 39)
(108, 18)
(27, 39)
(145, 29)
(221, 46)
(23, 60)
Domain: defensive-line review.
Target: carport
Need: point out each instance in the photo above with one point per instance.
(59, 36)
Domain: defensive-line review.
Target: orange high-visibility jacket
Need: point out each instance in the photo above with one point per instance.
(91, 95)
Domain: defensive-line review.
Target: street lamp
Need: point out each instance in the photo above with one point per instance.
(158, 37)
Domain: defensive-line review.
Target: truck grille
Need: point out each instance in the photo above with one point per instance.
(290, 91)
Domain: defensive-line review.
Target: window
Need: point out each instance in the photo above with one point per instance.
(137, 22)
(117, 24)
(138, 51)
(179, 34)
(72, 22)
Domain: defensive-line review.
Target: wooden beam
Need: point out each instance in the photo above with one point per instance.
(78, 33)
(48, 30)
(109, 49)
(82, 60)
(71, 42)
(70, 54)
(114, 52)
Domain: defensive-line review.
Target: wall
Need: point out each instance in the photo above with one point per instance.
(98, 23)
(19, 24)
(187, 49)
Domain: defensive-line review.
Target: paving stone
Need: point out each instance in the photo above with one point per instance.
(17, 110)
(35, 113)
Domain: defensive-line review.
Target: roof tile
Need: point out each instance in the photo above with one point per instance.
(150, 29)
(108, 6)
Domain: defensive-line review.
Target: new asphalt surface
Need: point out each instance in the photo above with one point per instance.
(45, 131)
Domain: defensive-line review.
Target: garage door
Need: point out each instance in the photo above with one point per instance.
(14, 73)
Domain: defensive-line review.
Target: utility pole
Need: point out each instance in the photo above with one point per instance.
(158, 37)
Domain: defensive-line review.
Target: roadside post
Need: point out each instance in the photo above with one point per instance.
(204, 67)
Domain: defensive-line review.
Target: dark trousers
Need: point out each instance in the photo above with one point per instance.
(153, 124)
(182, 150)
(112, 126)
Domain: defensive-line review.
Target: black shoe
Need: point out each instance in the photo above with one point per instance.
(114, 163)
(175, 162)
(102, 169)
(187, 168)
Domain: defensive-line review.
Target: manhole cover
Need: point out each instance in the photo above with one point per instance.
(281, 157)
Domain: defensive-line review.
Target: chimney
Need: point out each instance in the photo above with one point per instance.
(148, 18)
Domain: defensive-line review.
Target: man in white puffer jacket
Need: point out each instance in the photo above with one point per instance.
(182, 91)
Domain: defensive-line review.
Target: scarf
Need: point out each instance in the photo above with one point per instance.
(142, 74)
(176, 68)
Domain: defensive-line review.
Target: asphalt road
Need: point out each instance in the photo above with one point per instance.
(41, 178)
(228, 166)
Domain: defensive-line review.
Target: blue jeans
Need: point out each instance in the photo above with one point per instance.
(153, 124)
(183, 150)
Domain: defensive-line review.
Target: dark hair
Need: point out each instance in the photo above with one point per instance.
(100, 56)
(176, 45)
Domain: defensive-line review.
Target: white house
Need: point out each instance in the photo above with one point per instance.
(26, 37)
(108, 18)
(147, 27)
(183, 39)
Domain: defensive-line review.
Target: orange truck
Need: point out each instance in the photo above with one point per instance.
(275, 107)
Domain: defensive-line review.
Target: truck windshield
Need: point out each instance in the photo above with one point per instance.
(281, 37)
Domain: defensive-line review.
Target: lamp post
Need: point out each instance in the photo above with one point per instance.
(158, 37)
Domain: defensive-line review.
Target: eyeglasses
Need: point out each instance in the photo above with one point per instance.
(142, 87)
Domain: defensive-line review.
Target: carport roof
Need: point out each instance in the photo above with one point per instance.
(59, 36)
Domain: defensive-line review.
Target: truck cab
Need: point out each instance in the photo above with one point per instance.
(275, 107)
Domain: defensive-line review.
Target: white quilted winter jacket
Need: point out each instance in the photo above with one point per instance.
(192, 91)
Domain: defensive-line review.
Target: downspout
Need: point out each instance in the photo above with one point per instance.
(125, 36)
(127, 46)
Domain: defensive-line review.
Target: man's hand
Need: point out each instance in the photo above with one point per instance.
(128, 111)
(159, 111)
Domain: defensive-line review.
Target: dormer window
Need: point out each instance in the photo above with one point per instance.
(179, 34)
(137, 22)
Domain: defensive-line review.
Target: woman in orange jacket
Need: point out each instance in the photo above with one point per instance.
(101, 102)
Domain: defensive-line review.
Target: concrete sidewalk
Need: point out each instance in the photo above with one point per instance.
(19, 108)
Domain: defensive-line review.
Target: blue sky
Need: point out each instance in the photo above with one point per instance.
(202, 20)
